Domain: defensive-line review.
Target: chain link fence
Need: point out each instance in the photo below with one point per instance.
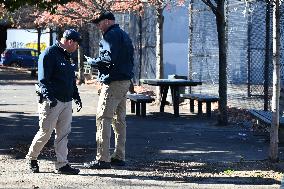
(249, 70)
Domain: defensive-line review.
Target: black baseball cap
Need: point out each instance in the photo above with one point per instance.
(104, 15)
(72, 34)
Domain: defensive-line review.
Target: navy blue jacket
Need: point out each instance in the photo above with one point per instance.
(116, 52)
(56, 75)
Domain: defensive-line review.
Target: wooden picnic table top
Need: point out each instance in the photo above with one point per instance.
(176, 82)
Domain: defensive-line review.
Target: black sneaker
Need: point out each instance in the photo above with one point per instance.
(34, 166)
(117, 162)
(97, 165)
(68, 170)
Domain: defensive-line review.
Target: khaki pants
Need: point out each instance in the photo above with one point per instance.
(112, 101)
(58, 118)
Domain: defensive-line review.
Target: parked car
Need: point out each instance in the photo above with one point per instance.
(20, 57)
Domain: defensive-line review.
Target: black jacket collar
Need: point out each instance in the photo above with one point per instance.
(111, 27)
(62, 50)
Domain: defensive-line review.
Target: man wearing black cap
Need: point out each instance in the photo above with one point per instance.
(115, 64)
(56, 88)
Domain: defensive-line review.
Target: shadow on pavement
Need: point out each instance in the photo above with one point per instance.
(12, 76)
(198, 180)
(184, 138)
(155, 144)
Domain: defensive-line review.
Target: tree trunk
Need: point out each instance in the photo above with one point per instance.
(190, 39)
(50, 36)
(159, 44)
(221, 29)
(81, 77)
(38, 39)
(159, 49)
(273, 151)
(190, 12)
(140, 49)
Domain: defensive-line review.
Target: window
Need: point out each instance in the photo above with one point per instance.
(25, 53)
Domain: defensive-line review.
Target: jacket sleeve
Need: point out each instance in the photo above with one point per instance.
(45, 69)
(104, 54)
(114, 40)
(103, 62)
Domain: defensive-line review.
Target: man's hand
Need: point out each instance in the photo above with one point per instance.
(78, 104)
(90, 60)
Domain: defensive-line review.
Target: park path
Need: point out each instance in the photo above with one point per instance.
(162, 151)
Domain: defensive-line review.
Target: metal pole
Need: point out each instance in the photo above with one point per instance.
(267, 55)
(249, 53)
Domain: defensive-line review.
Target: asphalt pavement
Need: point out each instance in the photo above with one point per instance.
(158, 136)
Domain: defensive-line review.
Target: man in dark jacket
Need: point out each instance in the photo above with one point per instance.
(56, 88)
(115, 65)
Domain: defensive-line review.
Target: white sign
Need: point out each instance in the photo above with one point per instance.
(27, 38)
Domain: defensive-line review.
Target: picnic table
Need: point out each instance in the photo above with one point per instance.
(174, 85)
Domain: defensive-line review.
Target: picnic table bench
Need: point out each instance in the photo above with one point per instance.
(138, 103)
(208, 99)
(88, 69)
(265, 117)
(174, 85)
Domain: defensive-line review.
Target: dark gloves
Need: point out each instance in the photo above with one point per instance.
(78, 104)
(52, 103)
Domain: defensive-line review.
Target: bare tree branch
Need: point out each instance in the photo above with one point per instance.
(210, 4)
